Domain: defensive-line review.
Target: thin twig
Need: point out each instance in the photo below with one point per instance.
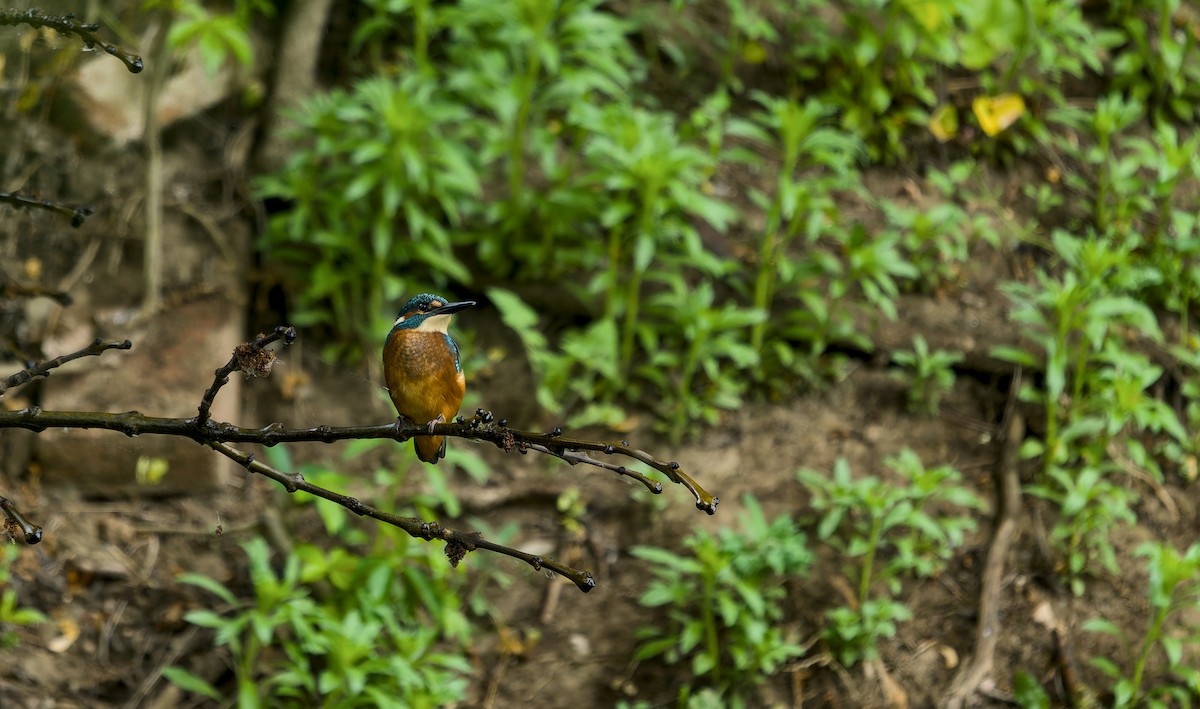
(457, 543)
(66, 24)
(75, 212)
(1008, 510)
(251, 359)
(42, 369)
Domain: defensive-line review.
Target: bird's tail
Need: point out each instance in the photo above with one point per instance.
(430, 449)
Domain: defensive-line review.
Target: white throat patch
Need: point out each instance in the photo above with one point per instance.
(436, 323)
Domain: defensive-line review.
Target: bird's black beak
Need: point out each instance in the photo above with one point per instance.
(449, 308)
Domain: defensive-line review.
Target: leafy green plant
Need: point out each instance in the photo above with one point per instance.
(724, 602)
(569, 375)
(218, 36)
(653, 181)
(375, 35)
(1159, 63)
(1117, 190)
(1027, 693)
(1031, 47)
(527, 65)
(747, 34)
(336, 628)
(1070, 318)
(878, 68)
(876, 264)
(11, 614)
(1095, 392)
(375, 198)
(929, 374)
(378, 617)
(937, 236)
(696, 352)
(1089, 506)
(886, 531)
(1174, 592)
(817, 161)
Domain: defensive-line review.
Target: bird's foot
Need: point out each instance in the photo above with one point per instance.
(436, 421)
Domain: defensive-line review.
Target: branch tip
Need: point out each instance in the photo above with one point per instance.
(66, 24)
(42, 369)
(15, 521)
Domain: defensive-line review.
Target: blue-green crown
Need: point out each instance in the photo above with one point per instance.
(418, 306)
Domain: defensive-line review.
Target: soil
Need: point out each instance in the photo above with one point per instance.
(105, 573)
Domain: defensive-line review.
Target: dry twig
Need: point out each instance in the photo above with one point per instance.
(1008, 509)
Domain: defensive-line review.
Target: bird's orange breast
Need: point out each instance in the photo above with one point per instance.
(422, 376)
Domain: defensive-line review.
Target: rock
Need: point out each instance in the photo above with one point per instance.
(165, 374)
(111, 101)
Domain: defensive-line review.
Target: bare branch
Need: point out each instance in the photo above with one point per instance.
(457, 543)
(254, 360)
(66, 24)
(42, 369)
(134, 423)
(75, 212)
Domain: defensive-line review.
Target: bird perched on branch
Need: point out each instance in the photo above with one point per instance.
(422, 368)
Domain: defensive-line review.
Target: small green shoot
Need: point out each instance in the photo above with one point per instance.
(886, 531)
(724, 602)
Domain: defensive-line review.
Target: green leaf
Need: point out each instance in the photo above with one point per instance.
(1014, 355)
(1173, 648)
(703, 663)
(654, 648)
(1102, 625)
(206, 619)
(189, 682)
(1028, 693)
(212, 586)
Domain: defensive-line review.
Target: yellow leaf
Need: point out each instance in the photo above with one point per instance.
(944, 123)
(995, 113)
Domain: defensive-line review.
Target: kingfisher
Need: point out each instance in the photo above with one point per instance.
(422, 368)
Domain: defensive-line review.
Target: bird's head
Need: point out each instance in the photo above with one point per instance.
(428, 313)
